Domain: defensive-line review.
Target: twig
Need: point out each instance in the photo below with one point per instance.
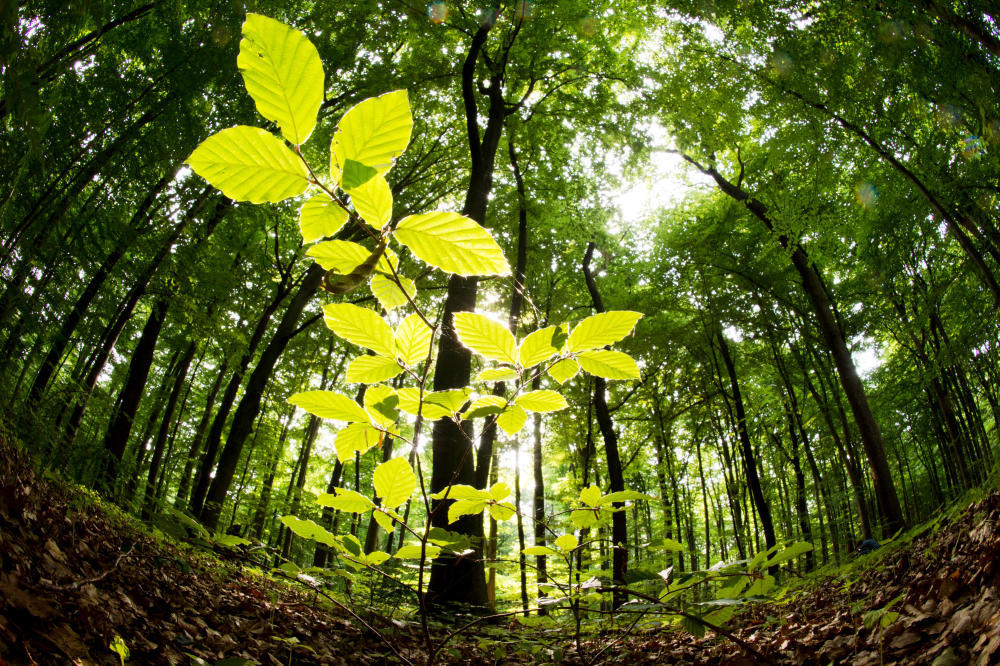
(87, 581)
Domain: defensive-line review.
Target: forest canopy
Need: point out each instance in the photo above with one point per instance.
(475, 302)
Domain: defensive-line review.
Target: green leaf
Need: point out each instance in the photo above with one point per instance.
(609, 364)
(761, 586)
(602, 329)
(356, 437)
(622, 496)
(329, 405)
(733, 590)
(319, 217)
(383, 519)
(307, 529)
(465, 507)
(249, 164)
(382, 405)
(451, 401)
(461, 491)
(540, 346)
(540, 550)
(118, 647)
(789, 553)
(376, 557)
(413, 551)
(345, 500)
(373, 201)
(670, 545)
(693, 627)
(500, 374)
(371, 370)
(450, 540)
(375, 131)
(394, 481)
(486, 405)
(413, 340)
(583, 518)
(388, 293)
(356, 174)
(543, 400)
(486, 337)
(512, 420)
(453, 243)
(283, 74)
(339, 256)
(564, 370)
(567, 542)
(360, 326)
(591, 496)
(501, 512)
(499, 491)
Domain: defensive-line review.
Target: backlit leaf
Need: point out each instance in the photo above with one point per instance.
(501, 512)
(345, 500)
(591, 495)
(608, 364)
(500, 374)
(371, 370)
(464, 507)
(375, 131)
(453, 243)
(382, 405)
(249, 164)
(542, 400)
(602, 329)
(373, 201)
(329, 405)
(451, 400)
(512, 420)
(283, 74)
(356, 437)
(486, 337)
(564, 370)
(485, 405)
(388, 293)
(320, 216)
(307, 529)
(394, 481)
(539, 550)
(360, 326)
(413, 552)
(540, 345)
(567, 542)
(499, 491)
(413, 340)
(462, 491)
(338, 256)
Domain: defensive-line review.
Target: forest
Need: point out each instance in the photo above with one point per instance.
(555, 331)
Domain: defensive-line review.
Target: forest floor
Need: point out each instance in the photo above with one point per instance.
(74, 575)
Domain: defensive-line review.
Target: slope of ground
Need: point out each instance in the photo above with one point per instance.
(74, 575)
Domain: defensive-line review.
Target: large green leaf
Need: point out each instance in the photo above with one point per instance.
(329, 405)
(462, 491)
(413, 340)
(283, 74)
(451, 401)
(602, 329)
(608, 364)
(512, 420)
(540, 346)
(465, 507)
(307, 529)
(338, 256)
(486, 337)
(567, 542)
(789, 553)
(360, 326)
(542, 400)
(374, 132)
(371, 370)
(485, 406)
(453, 243)
(321, 216)
(382, 404)
(345, 500)
(356, 437)
(539, 550)
(564, 370)
(499, 374)
(388, 293)
(502, 511)
(249, 164)
(414, 552)
(394, 481)
(373, 201)
(624, 495)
